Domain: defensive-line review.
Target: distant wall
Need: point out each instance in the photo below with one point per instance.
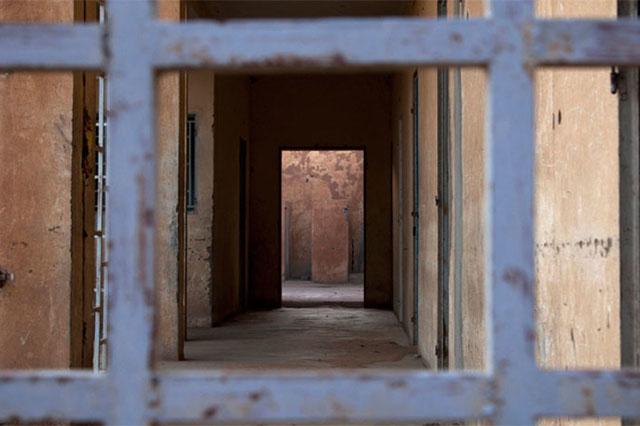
(309, 176)
(200, 220)
(323, 111)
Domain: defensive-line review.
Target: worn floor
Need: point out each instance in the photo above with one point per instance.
(307, 294)
(327, 332)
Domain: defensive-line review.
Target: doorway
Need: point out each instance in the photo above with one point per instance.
(322, 227)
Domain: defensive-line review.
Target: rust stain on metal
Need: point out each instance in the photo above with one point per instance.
(629, 380)
(455, 37)
(587, 394)
(516, 278)
(283, 60)
(256, 396)
(528, 63)
(397, 384)
(210, 412)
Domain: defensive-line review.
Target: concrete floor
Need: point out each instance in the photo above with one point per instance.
(321, 337)
(307, 294)
(321, 326)
(327, 336)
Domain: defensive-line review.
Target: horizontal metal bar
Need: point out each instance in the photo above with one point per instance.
(590, 394)
(48, 395)
(326, 43)
(51, 46)
(605, 42)
(322, 43)
(337, 396)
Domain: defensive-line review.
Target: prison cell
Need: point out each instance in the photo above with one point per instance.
(132, 45)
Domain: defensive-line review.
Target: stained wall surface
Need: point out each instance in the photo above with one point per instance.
(577, 229)
(577, 235)
(35, 217)
(467, 309)
(426, 169)
(577, 256)
(166, 214)
(330, 241)
(339, 111)
(200, 220)
(309, 176)
(231, 127)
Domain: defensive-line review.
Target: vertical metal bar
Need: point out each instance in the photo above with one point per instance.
(509, 240)
(131, 204)
(416, 208)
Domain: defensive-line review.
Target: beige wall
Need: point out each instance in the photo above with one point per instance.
(167, 247)
(577, 235)
(327, 111)
(577, 255)
(35, 212)
(231, 109)
(472, 288)
(200, 220)
(428, 212)
(322, 175)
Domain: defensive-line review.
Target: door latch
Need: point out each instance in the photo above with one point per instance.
(5, 277)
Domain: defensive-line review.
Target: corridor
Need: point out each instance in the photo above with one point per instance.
(311, 337)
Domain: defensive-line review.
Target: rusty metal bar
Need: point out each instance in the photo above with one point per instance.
(327, 43)
(588, 394)
(322, 43)
(514, 391)
(337, 396)
(604, 42)
(509, 239)
(29, 396)
(132, 185)
(57, 46)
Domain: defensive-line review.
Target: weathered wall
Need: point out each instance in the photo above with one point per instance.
(427, 209)
(166, 218)
(576, 211)
(322, 175)
(200, 220)
(472, 220)
(231, 124)
(403, 199)
(330, 241)
(345, 111)
(35, 217)
(577, 236)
